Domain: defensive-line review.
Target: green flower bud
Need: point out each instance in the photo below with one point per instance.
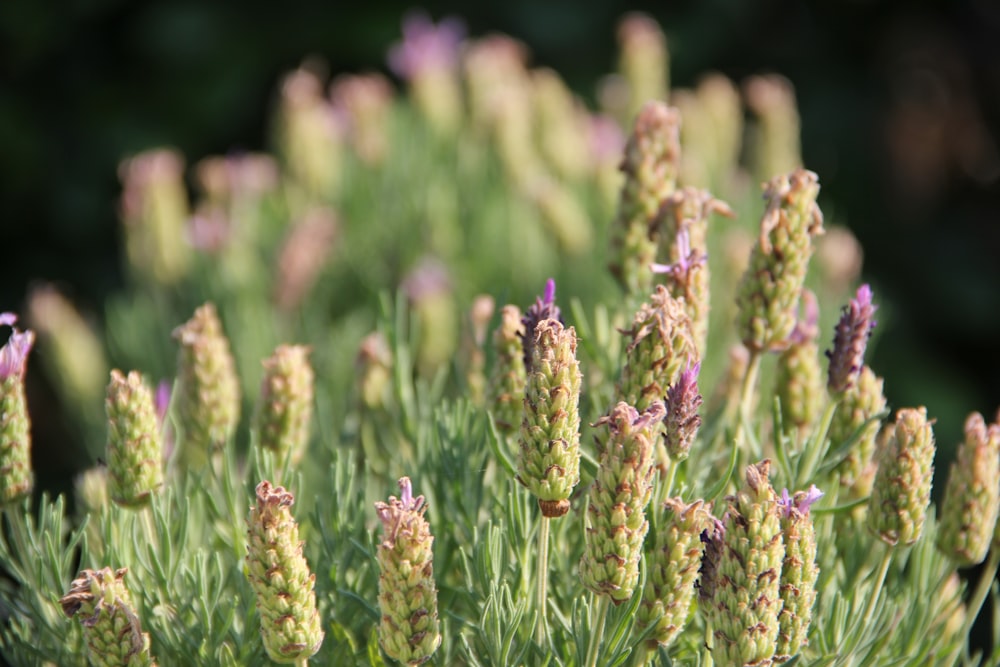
(672, 562)
(208, 393)
(652, 156)
(135, 445)
(155, 211)
(774, 139)
(290, 625)
(616, 516)
(102, 603)
(972, 496)
(74, 353)
(902, 487)
(474, 355)
(643, 60)
(429, 292)
(683, 235)
(798, 572)
(799, 379)
(549, 457)
(768, 295)
(660, 347)
(16, 477)
(746, 603)
(311, 146)
(373, 367)
(407, 595)
(858, 405)
(508, 379)
(285, 405)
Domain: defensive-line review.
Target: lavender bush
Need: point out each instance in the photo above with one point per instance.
(334, 439)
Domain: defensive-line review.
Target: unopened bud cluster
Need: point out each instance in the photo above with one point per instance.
(549, 455)
(768, 296)
(616, 513)
(290, 625)
(901, 491)
(111, 626)
(285, 405)
(135, 449)
(16, 477)
(208, 393)
(673, 559)
(972, 495)
(742, 587)
(410, 631)
(508, 379)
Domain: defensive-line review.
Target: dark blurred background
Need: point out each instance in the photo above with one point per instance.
(899, 104)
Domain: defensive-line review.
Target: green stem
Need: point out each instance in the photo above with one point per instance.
(815, 454)
(597, 630)
(746, 401)
(983, 588)
(874, 595)
(666, 485)
(541, 583)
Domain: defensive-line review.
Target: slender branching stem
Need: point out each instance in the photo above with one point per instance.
(541, 584)
(876, 591)
(979, 596)
(597, 629)
(813, 456)
(747, 389)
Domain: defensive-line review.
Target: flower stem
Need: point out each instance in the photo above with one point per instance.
(873, 596)
(542, 579)
(983, 588)
(815, 454)
(597, 630)
(746, 400)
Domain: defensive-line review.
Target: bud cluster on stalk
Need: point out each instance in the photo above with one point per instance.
(285, 404)
(135, 448)
(409, 631)
(290, 625)
(901, 491)
(208, 392)
(16, 476)
(972, 494)
(100, 599)
(616, 513)
(741, 579)
(768, 295)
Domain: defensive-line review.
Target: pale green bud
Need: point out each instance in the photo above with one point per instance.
(290, 625)
(616, 518)
(549, 455)
(135, 445)
(901, 491)
(111, 627)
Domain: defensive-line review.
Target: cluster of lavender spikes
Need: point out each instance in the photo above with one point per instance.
(654, 539)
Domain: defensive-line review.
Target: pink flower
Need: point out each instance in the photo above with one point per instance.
(425, 46)
(14, 355)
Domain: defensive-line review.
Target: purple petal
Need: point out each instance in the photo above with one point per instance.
(550, 291)
(426, 47)
(405, 492)
(7, 319)
(810, 497)
(14, 355)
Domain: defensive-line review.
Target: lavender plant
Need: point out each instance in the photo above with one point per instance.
(378, 220)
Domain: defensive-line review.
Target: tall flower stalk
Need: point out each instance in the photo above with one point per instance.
(410, 631)
(16, 477)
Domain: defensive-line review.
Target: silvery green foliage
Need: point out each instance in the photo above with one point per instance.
(311, 249)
